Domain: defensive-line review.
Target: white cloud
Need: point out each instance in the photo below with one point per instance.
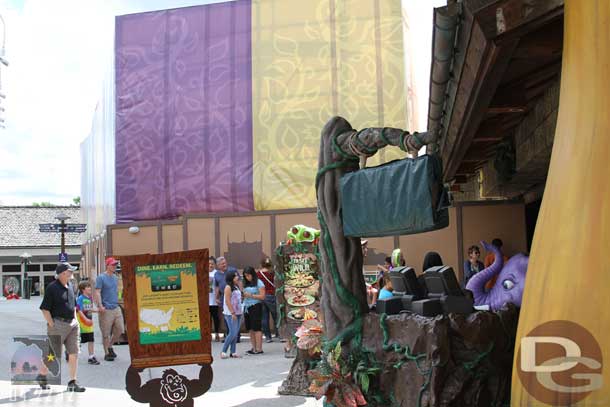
(58, 52)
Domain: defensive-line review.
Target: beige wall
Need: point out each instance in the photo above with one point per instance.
(444, 242)
(283, 223)
(172, 238)
(486, 222)
(143, 242)
(201, 234)
(379, 249)
(250, 236)
(245, 240)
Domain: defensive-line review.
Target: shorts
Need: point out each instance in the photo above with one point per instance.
(111, 323)
(86, 337)
(253, 317)
(64, 333)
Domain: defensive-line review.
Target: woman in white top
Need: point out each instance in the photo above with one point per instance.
(232, 312)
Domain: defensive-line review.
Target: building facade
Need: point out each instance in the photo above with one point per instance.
(27, 252)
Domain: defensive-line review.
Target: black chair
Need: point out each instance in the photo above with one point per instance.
(406, 286)
(444, 294)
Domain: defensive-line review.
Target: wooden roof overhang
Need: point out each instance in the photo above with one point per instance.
(506, 53)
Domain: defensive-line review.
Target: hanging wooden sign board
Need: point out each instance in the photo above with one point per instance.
(166, 308)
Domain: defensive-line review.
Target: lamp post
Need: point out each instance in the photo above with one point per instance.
(25, 259)
(62, 217)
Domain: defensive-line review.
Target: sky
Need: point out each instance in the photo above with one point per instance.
(58, 52)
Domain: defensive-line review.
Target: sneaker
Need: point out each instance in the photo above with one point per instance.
(93, 361)
(224, 355)
(42, 382)
(108, 358)
(251, 352)
(235, 355)
(111, 352)
(73, 386)
(269, 340)
(259, 352)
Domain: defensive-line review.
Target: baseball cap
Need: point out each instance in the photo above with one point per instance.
(111, 261)
(61, 267)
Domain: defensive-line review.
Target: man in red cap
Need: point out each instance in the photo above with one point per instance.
(107, 299)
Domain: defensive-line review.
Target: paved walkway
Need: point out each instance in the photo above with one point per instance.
(249, 382)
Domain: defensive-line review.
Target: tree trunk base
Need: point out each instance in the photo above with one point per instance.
(297, 383)
(465, 360)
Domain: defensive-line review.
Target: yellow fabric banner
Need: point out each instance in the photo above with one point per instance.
(312, 60)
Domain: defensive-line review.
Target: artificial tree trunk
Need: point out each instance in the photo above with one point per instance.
(568, 276)
(341, 148)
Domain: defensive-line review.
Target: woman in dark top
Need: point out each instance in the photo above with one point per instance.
(432, 259)
(473, 265)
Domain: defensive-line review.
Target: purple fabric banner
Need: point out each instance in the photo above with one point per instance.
(184, 112)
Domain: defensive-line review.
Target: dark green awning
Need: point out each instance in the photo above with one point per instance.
(401, 197)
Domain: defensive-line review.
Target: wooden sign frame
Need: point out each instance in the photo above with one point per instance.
(173, 353)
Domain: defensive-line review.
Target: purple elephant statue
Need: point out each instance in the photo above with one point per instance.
(508, 286)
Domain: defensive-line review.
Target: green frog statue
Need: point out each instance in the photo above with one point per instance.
(302, 233)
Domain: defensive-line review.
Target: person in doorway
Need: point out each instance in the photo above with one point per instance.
(214, 313)
(254, 295)
(232, 312)
(473, 265)
(489, 259)
(59, 310)
(84, 314)
(266, 275)
(111, 317)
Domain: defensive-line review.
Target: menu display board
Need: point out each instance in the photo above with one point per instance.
(301, 287)
(298, 293)
(166, 308)
(168, 303)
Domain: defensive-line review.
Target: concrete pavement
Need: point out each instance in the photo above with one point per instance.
(249, 382)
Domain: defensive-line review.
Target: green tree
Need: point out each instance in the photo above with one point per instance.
(76, 201)
(42, 204)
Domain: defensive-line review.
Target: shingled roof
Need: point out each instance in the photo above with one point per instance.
(19, 226)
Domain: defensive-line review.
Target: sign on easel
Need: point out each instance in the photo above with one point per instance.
(167, 317)
(166, 308)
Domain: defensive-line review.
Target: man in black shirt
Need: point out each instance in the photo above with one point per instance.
(58, 308)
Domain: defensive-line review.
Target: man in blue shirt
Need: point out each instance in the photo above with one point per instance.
(107, 299)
